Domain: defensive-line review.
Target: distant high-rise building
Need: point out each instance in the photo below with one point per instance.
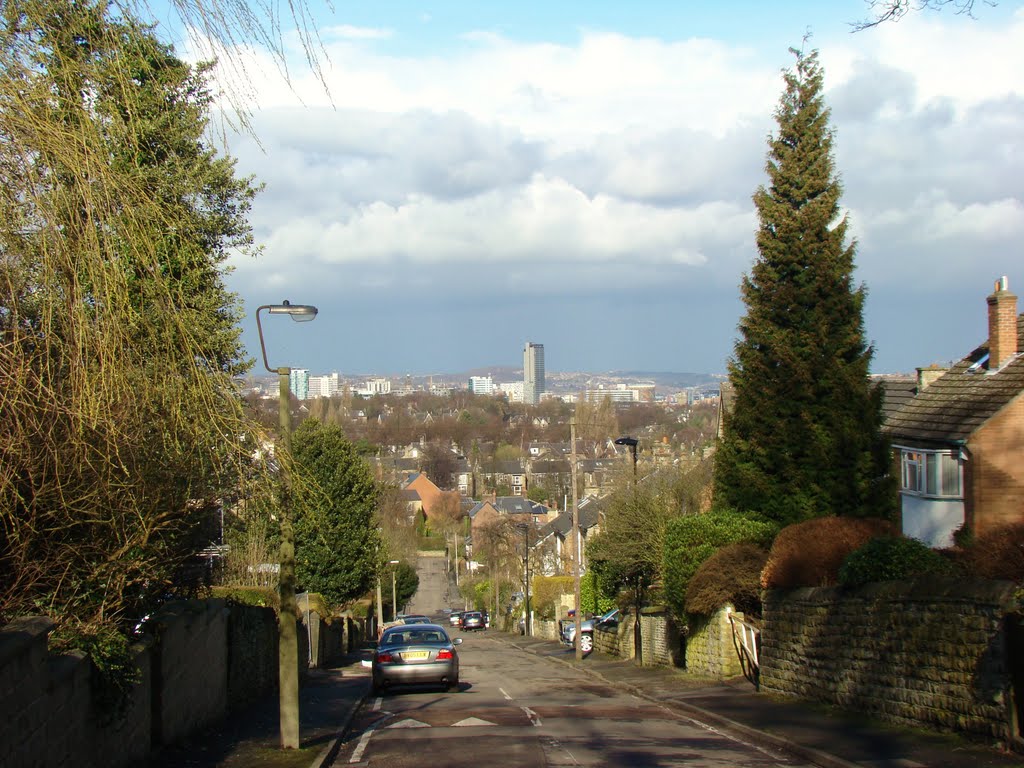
(513, 390)
(323, 386)
(533, 373)
(298, 381)
(481, 385)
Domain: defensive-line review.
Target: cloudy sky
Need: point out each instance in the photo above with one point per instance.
(580, 174)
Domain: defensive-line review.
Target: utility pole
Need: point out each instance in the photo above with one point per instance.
(577, 555)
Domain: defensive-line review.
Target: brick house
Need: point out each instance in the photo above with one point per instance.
(958, 436)
(428, 493)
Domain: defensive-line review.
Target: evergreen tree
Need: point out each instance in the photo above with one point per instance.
(803, 436)
(337, 544)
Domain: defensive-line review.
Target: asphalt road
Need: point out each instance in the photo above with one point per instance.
(432, 594)
(517, 709)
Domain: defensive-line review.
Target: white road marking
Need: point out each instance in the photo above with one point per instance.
(503, 693)
(357, 753)
(409, 723)
(376, 704)
(532, 715)
(471, 721)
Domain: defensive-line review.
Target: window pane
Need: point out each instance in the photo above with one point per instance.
(950, 475)
(911, 471)
(932, 476)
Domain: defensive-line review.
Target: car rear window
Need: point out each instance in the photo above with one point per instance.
(415, 637)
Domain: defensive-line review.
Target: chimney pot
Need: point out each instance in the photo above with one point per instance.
(1002, 325)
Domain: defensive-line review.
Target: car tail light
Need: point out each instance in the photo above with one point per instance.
(385, 657)
(444, 654)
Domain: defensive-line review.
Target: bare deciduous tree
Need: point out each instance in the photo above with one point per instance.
(893, 10)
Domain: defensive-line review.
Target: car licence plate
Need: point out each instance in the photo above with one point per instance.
(415, 655)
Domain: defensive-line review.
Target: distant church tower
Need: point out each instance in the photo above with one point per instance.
(533, 372)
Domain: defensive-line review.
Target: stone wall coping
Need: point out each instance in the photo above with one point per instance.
(930, 589)
(16, 635)
(65, 666)
(196, 607)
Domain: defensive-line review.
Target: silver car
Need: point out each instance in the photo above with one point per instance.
(416, 654)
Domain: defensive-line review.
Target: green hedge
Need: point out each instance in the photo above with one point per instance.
(892, 558)
(692, 539)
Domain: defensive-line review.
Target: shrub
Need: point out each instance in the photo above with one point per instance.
(730, 575)
(891, 558)
(997, 554)
(809, 554)
(546, 593)
(258, 596)
(592, 599)
(692, 539)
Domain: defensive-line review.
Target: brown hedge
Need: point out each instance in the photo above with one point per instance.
(996, 554)
(730, 575)
(809, 554)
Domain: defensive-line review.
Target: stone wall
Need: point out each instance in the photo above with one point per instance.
(546, 630)
(917, 653)
(660, 638)
(252, 653)
(203, 659)
(190, 668)
(710, 650)
(48, 714)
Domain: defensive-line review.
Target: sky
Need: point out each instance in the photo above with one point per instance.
(470, 176)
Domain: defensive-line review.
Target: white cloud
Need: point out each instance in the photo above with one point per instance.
(542, 220)
(628, 161)
(348, 32)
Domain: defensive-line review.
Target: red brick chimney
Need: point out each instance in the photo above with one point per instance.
(1002, 325)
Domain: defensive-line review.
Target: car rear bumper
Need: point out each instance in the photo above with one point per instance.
(409, 674)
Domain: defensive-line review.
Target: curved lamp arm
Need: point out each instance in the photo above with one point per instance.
(300, 313)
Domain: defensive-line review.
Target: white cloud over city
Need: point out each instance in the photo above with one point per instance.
(570, 192)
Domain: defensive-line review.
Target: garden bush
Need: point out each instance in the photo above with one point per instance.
(809, 554)
(892, 558)
(547, 590)
(592, 600)
(692, 539)
(730, 575)
(996, 554)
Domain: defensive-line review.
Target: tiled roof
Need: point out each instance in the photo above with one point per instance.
(895, 394)
(517, 505)
(548, 467)
(958, 403)
(563, 523)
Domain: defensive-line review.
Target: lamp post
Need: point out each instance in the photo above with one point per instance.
(525, 528)
(288, 642)
(394, 591)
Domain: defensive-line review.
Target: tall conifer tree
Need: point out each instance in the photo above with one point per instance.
(803, 436)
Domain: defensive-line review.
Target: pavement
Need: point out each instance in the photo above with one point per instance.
(822, 735)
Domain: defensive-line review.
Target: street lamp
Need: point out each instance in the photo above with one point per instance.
(288, 642)
(631, 442)
(394, 591)
(525, 528)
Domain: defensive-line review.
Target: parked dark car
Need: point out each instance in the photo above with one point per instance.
(415, 618)
(416, 654)
(472, 620)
